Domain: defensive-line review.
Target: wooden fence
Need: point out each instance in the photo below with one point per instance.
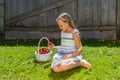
(36, 18)
(118, 20)
(1, 16)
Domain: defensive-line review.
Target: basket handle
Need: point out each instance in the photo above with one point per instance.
(40, 42)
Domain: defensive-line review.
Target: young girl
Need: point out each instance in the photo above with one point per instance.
(68, 54)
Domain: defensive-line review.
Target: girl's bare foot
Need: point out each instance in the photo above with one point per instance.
(85, 64)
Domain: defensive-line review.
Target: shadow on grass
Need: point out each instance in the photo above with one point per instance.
(46, 64)
(57, 76)
(63, 75)
(85, 42)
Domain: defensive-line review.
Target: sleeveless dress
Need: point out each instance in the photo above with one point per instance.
(67, 47)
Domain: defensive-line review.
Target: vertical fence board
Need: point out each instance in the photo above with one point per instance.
(80, 13)
(96, 20)
(51, 17)
(88, 13)
(7, 11)
(104, 12)
(52, 14)
(19, 6)
(118, 19)
(112, 12)
(2, 2)
(99, 12)
(85, 11)
(26, 7)
(42, 17)
(42, 20)
(1, 18)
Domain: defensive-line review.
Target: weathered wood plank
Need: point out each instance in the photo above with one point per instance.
(80, 13)
(39, 3)
(96, 19)
(1, 11)
(111, 35)
(56, 35)
(31, 35)
(52, 14)
(1, 25)
(88, 13)
(51, 18)
(1, 2)
(42, 20)
(99, 12)
(1, 18)
(118, 19)
(7, 9)
(12, 8)
(43, 16)
(26, 7)
(37, 11)
(104, 12)
(85, 12)
(56, 29)
(19, 7)
(101, 28)
(112, 12)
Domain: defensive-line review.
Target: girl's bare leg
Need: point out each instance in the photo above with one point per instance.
(64, 67)
(71, 65)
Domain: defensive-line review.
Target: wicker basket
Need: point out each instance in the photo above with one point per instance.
(42, 57)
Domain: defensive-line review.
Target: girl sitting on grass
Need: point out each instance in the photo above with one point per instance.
(68, 55)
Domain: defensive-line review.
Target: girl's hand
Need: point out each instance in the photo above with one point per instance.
(67, 56)
(50, 44)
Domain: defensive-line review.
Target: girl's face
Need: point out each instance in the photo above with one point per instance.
(62, 25)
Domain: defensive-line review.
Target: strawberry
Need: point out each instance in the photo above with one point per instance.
(50, 43)
(44, 51)
(47, 51)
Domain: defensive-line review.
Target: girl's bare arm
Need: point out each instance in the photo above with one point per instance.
(78, 44)
(51, 45)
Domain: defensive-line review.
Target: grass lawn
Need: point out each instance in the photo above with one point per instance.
(17, 61)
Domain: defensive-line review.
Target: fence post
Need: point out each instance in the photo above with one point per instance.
(118, 19)
(1, 19)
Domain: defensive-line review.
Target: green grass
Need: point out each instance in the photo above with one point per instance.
(17, 61)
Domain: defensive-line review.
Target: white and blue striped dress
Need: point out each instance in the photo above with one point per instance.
(67, 46)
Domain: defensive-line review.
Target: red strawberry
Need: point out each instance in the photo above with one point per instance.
(47, 51)
(41, 51)
(44, 51)
(50, 43)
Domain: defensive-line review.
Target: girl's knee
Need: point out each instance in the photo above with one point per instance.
(59, 68)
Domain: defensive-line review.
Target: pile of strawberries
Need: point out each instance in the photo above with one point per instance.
(44, 50)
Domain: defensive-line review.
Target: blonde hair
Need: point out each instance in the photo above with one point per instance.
(65, 17)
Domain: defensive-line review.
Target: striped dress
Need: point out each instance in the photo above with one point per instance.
(67, 46)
